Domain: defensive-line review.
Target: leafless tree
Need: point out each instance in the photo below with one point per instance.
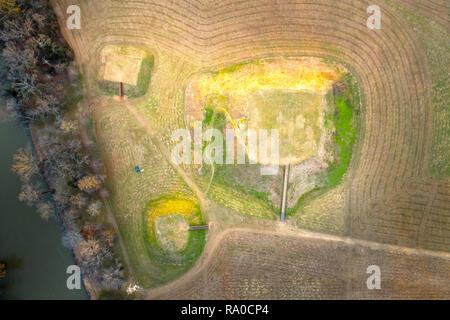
(25, 164)
(78, 200)
(95, 208)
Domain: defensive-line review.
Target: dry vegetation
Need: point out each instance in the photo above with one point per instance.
(259, 265)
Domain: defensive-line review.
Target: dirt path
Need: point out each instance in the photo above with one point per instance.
(285, 184)
(189, 181)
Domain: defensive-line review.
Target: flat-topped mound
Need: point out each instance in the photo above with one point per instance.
(282, 94)
(172, 232)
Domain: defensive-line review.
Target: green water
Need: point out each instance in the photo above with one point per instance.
(37, 261)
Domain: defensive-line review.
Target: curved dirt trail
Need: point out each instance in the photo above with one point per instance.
(391, 66)
(110, 216)
(188, 180)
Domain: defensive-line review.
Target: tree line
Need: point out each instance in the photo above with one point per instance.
(42, 89)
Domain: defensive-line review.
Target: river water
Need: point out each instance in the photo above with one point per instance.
(37, 261)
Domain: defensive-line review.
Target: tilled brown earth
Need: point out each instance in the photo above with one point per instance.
(390, 196)
(260, 265)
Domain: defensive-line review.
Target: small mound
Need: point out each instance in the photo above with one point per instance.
(166, 234)
(287, 95)
(295, 114)
(172, 232)
(130, 65)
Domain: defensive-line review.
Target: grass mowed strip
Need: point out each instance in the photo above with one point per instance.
(281, 94)
(316, 209)
(345, 123)
(165, 230)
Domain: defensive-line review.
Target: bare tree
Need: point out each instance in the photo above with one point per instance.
(71, 219)
(27, 85)
(92, 253)
(13, 109)
(45, 209)
(78, 200)
(108, 236)
(25, 164)
(30, 193)
(71, 239)
(112, 277)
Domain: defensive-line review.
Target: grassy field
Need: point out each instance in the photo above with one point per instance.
(247, 266)
(296, 115)
(129, 65)
(342, 122)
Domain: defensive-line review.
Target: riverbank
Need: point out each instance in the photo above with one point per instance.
(37, 261)
(91, 291)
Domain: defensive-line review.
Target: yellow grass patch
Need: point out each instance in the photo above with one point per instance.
(288, 74)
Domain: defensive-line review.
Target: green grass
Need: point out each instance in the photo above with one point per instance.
(214, 120)
(233, 68)
(183, 259)
(208, 116)
(342, 119)
(344, 139)
(145, 74)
